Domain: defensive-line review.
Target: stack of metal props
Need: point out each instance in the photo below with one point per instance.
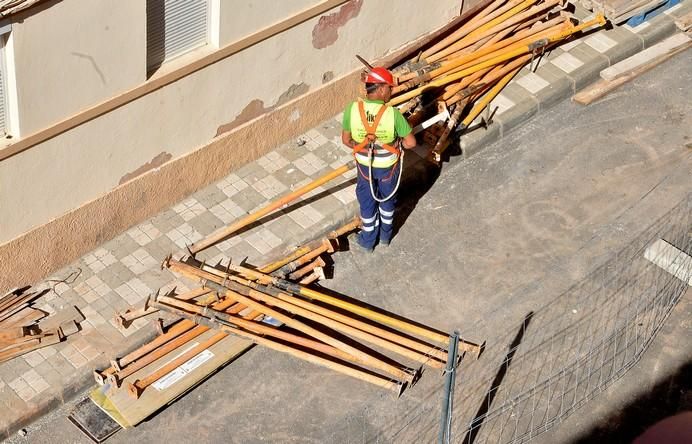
(455, 76)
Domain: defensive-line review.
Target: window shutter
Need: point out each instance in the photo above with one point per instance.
(173, 28)
(3, 100)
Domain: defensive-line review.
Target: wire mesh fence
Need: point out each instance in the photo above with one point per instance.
(568, 351)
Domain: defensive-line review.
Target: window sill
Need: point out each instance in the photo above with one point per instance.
(5, 141)
(182, 60)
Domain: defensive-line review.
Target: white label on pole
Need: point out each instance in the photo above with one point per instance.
(197, 361)
(170, 379)
(187, 367)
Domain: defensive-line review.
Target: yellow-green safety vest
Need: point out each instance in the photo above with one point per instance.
(385, 133)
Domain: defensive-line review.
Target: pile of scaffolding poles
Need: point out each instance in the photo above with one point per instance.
(464, 70)
(274, 306)
(309, 324)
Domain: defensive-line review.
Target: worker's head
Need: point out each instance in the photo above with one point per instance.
(378, 84)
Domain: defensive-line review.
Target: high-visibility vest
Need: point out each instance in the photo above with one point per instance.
(374, 123)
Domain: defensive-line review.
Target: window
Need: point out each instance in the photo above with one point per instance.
(9, 123)
(175, 27)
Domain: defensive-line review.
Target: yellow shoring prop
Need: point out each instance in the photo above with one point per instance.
(517, 44)
(481, 31)
(523, 49)
(487, 52)
(293, 288)
(273, 206)
(483, 17)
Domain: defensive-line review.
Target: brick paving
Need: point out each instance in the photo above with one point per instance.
(125, 270)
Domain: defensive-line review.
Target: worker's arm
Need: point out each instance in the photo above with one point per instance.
(403, 130)
(347, 140)
(346, 137)
(409, 141)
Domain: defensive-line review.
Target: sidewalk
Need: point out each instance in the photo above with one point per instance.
(125, 270)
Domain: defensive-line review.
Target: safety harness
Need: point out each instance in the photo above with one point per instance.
(367, 147)
(370, 137)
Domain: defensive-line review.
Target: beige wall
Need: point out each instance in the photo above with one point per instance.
(238, 18)
(121, 152)
(74, 53)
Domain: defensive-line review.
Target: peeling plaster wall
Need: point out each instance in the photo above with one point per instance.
(64, 179)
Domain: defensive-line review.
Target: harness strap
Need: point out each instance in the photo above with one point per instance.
(371, 130)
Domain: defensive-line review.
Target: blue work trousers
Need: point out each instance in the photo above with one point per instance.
(377, 217)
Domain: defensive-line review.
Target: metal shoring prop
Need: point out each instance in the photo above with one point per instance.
(293, 288)
(399, 371)
(277, 204)
(448, 396)
(382, 381)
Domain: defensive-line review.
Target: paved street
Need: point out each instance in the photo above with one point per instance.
(496, 236)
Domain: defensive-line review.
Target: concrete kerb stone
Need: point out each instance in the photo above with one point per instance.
(593, 63)
(657, 29)
(525, 106)
(628, 44)
(559, 86)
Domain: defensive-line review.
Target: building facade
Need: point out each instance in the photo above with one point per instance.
(112, 110)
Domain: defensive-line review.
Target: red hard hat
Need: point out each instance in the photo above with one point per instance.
(380, 75)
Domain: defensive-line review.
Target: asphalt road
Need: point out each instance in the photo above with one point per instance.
(494, 238)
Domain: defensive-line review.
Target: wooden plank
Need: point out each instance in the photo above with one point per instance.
(156, 83)
(19, 349)
(16, 301)
(674, 261)
(603, 87)
(13, 310)
(684, 23)
(129, 412)
(9, 301)
(25, 318)
(30, 343)
(45, 337)
(9, 334)
(646, 56)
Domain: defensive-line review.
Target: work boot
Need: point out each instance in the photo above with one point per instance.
(354, 242)
(385, 243)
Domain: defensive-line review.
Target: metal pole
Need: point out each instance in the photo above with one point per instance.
(450, 375)
(269, 208)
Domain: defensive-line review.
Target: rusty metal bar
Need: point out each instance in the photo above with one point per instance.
(270, 208)
(294, 323)
(375, 379)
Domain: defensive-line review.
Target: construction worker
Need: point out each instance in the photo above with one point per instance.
(376, 132)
